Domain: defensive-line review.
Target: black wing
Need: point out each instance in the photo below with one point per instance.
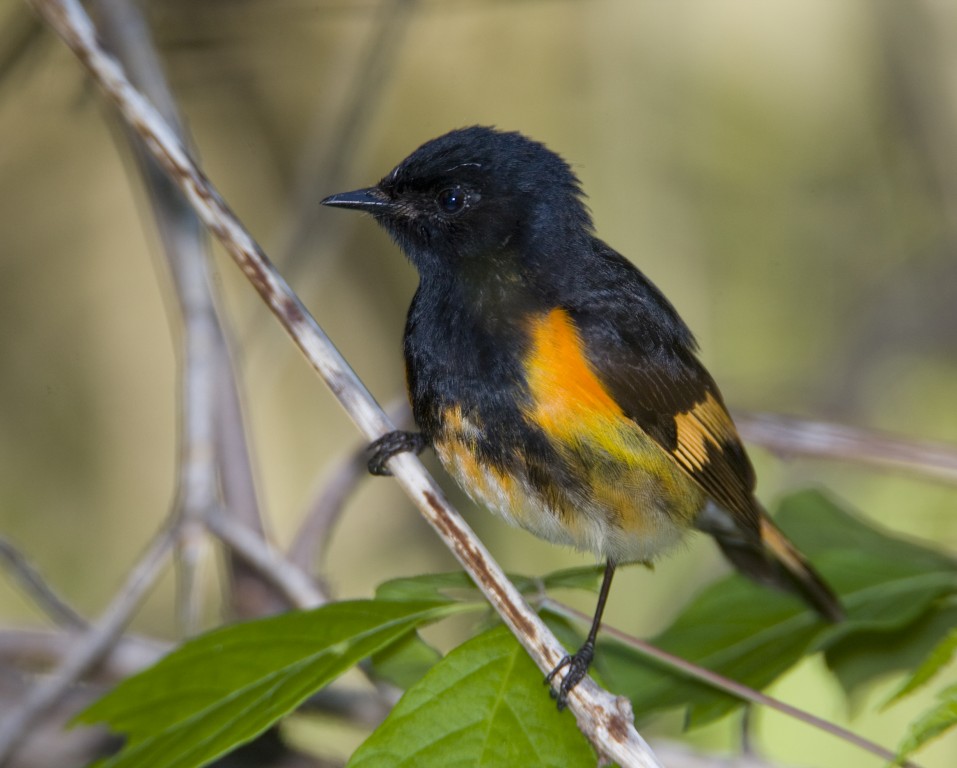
(644, 355)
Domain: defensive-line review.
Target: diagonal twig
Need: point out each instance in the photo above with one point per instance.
(213, 457)
(789, 436)
(31, 580)
(32, 648)
(722, 683)
(314, 531)
(605, 719)
(185, 252)
(328, 155)
(291, 582)
(89, 646)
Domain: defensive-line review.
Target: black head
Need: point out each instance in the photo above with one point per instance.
(477, 197)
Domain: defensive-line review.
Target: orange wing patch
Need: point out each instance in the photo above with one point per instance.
(568, 400)
(707, 423)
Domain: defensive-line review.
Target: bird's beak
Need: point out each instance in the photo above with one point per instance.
(369, 200)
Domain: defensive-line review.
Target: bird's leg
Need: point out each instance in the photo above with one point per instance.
(391, 444)
(579, 661)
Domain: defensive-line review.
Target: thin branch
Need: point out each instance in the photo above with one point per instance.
(292, 582)
(251, 595)
(722, 683)
(789, 436)
(313, 533)
(32, 648)
(34, 584)
(330, 150)
(50, 741)
(324, 161)
(185, 251)
(324, 511)
(88, 648)
(605, 719)
(211, 420)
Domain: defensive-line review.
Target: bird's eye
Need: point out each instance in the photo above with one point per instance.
(452, 200)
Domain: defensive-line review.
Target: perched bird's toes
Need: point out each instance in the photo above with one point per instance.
(391, 444)
(578, 664)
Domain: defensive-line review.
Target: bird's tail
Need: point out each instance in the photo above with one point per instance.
(774, 561)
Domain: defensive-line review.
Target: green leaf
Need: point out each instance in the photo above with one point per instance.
(938, 658)
(753, 635)
(734, 628)
(484, 704)
(430, 586)
(821, 525)
(885, 582)
(868, 656)
(586, 577)
(226, 687)
(935, 722)
(404, 662)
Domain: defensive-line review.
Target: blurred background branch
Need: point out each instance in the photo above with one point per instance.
(90, 646)
(786, 174)
(789, 437)
(214, 464)
(41, 593)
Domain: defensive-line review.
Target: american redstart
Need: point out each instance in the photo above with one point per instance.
(554, 381)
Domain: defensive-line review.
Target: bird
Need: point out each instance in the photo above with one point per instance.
(554, 381)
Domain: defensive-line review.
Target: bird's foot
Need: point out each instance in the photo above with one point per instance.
(577, 664)
(391, 444)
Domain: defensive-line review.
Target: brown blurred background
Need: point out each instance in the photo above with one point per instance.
(785, 171)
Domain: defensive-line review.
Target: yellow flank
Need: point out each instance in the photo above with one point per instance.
(484, 482)
(504, 494)
(569, 403)
(708, 422)
(454, 421)
(456, 449)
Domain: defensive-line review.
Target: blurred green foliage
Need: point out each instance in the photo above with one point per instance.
(484, 703)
